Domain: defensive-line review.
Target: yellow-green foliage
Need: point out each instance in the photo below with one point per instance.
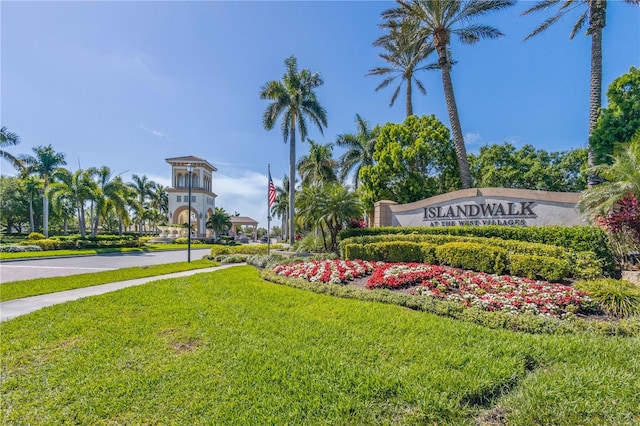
(392, 251)
(587, 266)
(217, 250)
(581, 265)
(617, 297)
(36, 236)
(475, 256)
(538, 267)
(185, 240)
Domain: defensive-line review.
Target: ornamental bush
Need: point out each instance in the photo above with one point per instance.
(573, 238)
(36, 236)
(55, 244)
(19, 249)
(478, 257)
(620, 298)
(584, 265)
(217, 250)
(185, 240)
(538, 267)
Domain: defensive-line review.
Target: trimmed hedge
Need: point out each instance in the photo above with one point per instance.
(51, 244)
(478, 257)
(392, 251)
(538, 267)
(218, 250)
(580, 265)
(574, 238)
(100, 237)
(496, 320)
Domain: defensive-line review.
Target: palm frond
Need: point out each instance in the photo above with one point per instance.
(578, 26)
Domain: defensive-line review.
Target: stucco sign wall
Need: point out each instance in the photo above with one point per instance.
(484, 206)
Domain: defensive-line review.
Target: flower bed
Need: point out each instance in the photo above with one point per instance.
(484, 291)
(474, 289)
(327, 271)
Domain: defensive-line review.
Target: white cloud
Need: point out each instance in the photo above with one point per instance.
(155, 133)
(245, 192)
(471, 138)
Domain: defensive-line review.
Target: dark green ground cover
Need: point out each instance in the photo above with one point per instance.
(229, 348)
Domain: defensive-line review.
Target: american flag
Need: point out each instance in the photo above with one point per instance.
(272, 191)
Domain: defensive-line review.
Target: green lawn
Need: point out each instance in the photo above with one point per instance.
(229, 348)
(26, 288)
(86, 252)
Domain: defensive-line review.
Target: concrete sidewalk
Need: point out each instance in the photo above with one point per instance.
(17, 307)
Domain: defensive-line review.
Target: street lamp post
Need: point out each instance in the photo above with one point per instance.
(190, 170)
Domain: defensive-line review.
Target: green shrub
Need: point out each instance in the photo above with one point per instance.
(428, 253)
(310, 243)
(478, 257)
(618, 297)
(19, 249)
(56, 244)
(574, 238)
(242, 249)
(36, 236)
(538, 267)
(185, 240)
(232, 258)
(587, 266)
(145, 239)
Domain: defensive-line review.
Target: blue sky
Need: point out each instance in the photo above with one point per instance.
(128, 84)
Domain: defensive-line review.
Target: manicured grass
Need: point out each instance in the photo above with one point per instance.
(26, 288)
(86, 252)
(229, 348)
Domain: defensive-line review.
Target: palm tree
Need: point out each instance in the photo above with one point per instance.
(31, 186)
(360, 149)
(143, 188)
(318, 166)
(294, 99)
(280, 207)
(438, 21)
(595, 11)
(621, 179)
(74, 188)
(42, 164)
(110, 195)
(219, 221)
(403, 54)
(8, 138)
(331, 206)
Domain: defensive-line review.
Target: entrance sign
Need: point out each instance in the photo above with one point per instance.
(484, 206)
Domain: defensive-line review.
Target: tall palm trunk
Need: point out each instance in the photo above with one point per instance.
(597, 16)
(45, 209)
(292, 173)
(409, 104)
(452, 109)
(31, 221)
(81, 223)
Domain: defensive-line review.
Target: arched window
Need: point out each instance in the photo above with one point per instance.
(180, 181)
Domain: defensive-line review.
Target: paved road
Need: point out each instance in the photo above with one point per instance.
(57, 267)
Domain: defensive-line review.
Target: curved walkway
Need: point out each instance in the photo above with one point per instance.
(17, 307)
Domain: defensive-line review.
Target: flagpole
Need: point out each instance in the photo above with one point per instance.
(268, 211)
